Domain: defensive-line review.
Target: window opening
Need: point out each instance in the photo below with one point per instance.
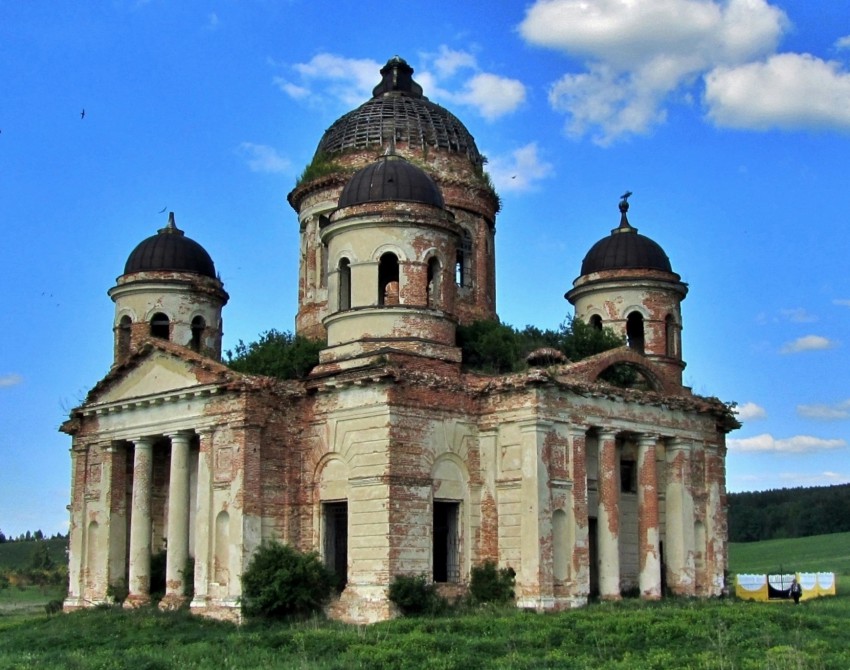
(670, 335)
(124, 336)
(634, 331)
(596, 322)
(336, 540)
(433, 298)
(198, 328)
(344, 284)
(446, 541)
(463, 264)
(388, 280)
(628, 476)
(160, 326)
(323, 274)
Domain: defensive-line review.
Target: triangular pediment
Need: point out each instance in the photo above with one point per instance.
(156, 370)
(160, 373)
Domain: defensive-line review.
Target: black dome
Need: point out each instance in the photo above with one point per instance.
(170, 249)
(398, 112)
(624, 248)
(390, 178)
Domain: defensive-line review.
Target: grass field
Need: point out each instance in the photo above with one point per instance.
(675, 633)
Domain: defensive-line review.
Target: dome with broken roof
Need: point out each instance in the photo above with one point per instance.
(399, 113)
(390, 178)
(624, 248)
(170, 250)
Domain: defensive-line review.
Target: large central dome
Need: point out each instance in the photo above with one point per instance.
(399, 113)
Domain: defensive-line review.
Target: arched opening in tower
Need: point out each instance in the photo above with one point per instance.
(388, 279)
(634, 331)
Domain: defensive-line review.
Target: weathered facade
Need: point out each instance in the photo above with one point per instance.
(390, 458)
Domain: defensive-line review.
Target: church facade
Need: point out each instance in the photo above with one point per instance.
(390, 458)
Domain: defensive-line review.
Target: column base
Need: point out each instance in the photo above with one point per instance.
(171, 602)
(135, 601)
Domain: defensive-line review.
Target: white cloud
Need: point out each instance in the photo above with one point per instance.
(784, 91)
(808, 343)
(799, 444)
(448, 61)
(749, 411)
(519, 171)
(835, 412)
(454, 76)
(843, 42)
(825, 478)
(10, 380)
(262, 158)
(843, 303)
(637, 54)
(212, 21)
(348, 80)
(493, 96)
(797, 315)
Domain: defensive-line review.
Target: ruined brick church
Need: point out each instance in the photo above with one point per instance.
(390, 458)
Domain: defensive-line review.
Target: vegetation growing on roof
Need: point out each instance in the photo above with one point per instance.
(490, 346)
(322, 164)
(275, 354)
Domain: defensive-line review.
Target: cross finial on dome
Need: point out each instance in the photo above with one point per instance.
(624, 226)
(171, 226)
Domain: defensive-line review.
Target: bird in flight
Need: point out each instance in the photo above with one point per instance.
(83, 114)
(163, 209)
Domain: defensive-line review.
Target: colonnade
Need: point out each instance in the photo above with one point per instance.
(679, 517)
(141, 521)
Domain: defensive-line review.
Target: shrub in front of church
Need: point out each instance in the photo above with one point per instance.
(490, 584)
(416, 594)
(281, 582)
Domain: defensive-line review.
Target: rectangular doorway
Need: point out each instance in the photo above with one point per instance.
(336, 540)
(446, 541)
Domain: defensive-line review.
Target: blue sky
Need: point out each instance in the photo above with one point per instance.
(728, 119)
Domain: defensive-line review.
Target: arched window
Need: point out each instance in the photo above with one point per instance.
(388, 279)
(433, 288)
(344, 281)
(124, 336)
(596, 322)
(634, 331)
(160, 326)
(670, 335)
(463, 264)
(198, 328)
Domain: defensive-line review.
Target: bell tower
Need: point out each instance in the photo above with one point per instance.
(628, 284)
(169, 290)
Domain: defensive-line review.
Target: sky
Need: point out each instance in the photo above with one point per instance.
(729, 120)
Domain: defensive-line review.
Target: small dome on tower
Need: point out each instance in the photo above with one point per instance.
(171, 250)
(391, 178)
(624, 248)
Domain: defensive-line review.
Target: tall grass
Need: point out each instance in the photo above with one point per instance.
(675, 633)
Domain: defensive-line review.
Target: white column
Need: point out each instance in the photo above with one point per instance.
(679, 519)
(140, 524)
(649, 548)
(178, 521)
(204, 530)
(608, 517)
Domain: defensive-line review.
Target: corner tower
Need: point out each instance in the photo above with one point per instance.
(398, 119)
(169, 290)
(628, 284)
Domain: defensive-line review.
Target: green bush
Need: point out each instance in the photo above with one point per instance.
(281, 582)
(275, 354)
(416, 594)
(489, 584)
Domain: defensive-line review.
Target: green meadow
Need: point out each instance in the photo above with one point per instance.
(675, 633)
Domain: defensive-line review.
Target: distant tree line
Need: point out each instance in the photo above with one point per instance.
(787, 513)
(30, 537)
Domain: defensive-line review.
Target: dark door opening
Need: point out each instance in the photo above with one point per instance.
(446, 541)
(594, 557)
(336, 540)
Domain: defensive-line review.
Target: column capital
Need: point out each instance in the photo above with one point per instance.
(680, 443)
(648, 439)
(187, 433)
(144, 442)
